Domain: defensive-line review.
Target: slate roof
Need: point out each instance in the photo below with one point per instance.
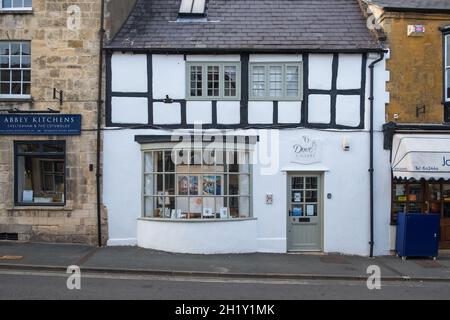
(411, 5)
(248, 25)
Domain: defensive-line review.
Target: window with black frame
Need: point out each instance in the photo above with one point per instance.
(40, 173)
(447, 77)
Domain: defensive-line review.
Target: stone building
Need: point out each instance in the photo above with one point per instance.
(49, 97)
(417, 36)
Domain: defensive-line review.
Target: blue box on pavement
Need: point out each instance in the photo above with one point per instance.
(417, 235)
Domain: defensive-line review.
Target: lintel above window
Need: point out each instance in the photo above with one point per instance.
(213, 81)
(276, 81)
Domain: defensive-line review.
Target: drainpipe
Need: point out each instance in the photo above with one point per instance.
(98, 174)
(371, 169)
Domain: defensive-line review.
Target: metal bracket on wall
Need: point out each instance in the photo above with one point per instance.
(420, 110)
(60, 97)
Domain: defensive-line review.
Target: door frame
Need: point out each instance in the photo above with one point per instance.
(321, 211)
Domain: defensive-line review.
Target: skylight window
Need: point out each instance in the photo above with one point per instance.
(192, 8)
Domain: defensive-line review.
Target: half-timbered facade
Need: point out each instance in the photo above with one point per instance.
(245, 126)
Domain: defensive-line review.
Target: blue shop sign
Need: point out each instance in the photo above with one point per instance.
(42, 124)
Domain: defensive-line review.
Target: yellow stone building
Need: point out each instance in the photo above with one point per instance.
(416, 35)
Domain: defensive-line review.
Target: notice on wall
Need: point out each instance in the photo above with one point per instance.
(297, 197)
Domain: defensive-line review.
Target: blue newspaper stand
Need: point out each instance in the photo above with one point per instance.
(417, 235)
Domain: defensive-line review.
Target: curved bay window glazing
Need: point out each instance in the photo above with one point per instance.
(196, 184)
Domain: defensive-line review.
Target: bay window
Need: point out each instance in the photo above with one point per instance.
(196, 184)
(213, 80)
(15, 69)
(276, 81)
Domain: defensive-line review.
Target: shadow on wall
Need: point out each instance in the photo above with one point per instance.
(117, 12)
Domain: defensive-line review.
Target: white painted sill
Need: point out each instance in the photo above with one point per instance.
(196, 220)
(16, 11)
(41, 208)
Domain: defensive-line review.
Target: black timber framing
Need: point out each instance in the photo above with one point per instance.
(334, 92)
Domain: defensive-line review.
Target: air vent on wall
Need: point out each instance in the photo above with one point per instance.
(9, 236)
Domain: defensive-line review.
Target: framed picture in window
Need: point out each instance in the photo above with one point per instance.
(223, 213)
(209, 185)
(208, 213)
(183, 185)
(193, 185)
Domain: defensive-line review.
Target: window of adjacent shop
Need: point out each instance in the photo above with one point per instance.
(278, 81)
(420, 197)
(213, 81)
(447, 67)
(40, 173)
(15, 4)
(196, 184)
(447, 77)
(15, 69)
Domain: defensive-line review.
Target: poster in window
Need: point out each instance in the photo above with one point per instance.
(183, 185)
(193, 185)
(209, 183)
(310, 210)
(27, 196)
(212, 185)
(223, 213)
(399, 190)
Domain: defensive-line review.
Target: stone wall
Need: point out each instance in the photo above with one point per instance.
(416, 67)
(64, 57)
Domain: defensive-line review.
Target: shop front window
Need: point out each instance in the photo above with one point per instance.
(420, 197)
(40, 173)
(196, 184)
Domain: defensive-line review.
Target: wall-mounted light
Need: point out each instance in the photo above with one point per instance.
(346, 144)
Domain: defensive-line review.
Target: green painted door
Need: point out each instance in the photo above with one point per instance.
(304, 226)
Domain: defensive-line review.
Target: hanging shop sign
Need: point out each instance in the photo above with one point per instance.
(306, 151)
(42, 124)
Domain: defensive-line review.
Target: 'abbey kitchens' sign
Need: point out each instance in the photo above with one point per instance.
(306, 151)
(42, 124)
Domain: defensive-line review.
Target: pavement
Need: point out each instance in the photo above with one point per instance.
(138, 261)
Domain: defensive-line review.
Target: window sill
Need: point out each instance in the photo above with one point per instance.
(17, 11)
(275, 99)
(196, 220)
(193, 99)
(41, 208)
(15, 99)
